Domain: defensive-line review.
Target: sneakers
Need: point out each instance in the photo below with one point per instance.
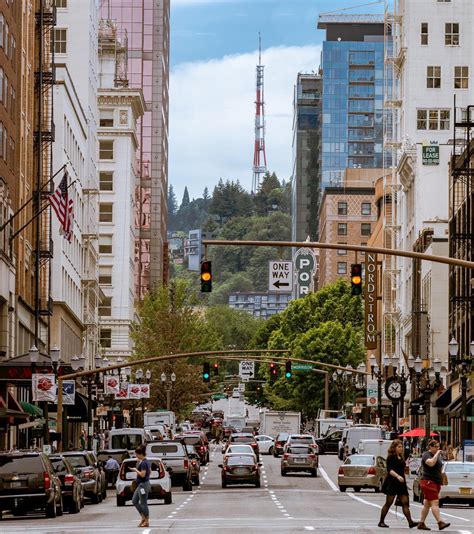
(422, 526)
(442, 525)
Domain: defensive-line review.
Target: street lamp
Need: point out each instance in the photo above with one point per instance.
(463, 365)
(377, 373)
(427, 384)
(168, 385)
(344, 381)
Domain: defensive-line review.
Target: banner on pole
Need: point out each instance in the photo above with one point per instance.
(44, 387)
(145, 391)
(123, 392)
(134, 391)
(69, 392)
(111, 385)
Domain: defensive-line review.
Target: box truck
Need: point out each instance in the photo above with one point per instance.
(272, 423)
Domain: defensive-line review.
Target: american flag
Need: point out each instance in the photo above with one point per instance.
(62, 205)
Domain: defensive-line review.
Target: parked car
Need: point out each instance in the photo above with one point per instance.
(240, 469)
(299, 457)
(87, 470)
(302, 439)
(160, 481)
(176, 460)
(362, 471)
(71, 487)
(280, 441)
(244, 438)
(195, 460)
(117, 454)
(329, 444)
(460, 488)
(102, 473)
(266, 444)
(29, 482)
(200, 443)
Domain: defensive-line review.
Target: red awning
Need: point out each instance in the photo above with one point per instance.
(416, 433)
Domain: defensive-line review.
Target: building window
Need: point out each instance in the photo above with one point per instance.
(433, 119)
(365, 229)
(433, 77)
(106, 150)
(106, 181)
(461, 77)
(2, 29)
(342, 251)
(341, 229)
(342, 208)
(341, 267)
(451, 34)
(106, 119)
(105, 338)
(105, 307)
(105, 275)
(61, 3)
(366, 208)
(105, 212)
(105, 244)
(424, 33)
(60, 41)
(2, 76)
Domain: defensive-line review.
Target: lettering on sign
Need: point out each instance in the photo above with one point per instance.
(430, 154)
(305, 266)
(371, 286)
(280, 276)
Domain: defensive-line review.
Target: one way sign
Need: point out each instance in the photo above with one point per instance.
(280, 276)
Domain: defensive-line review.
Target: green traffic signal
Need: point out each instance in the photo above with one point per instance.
(206, 372)
(288, 372)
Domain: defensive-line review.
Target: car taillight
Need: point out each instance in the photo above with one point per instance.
(312, 456)
(47, 480)
(255, 467)
(69, 480)
(186, 464)
(286, 456)
(371, 471)
(340, 471)
(194, 462)
(254, 445)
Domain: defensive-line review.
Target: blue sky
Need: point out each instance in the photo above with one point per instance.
(213, 57)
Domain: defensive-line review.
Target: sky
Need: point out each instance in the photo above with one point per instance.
(214, 51)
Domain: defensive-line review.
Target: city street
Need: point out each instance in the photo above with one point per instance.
(296, 503)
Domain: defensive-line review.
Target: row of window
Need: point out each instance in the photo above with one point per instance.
(433, 119)
(451, 34)
(7, 93)
(365, 229)
(461, 77)
(365, 208)
(7, 40)
(7, 146)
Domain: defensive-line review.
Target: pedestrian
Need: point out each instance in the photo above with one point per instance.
(430, 484)
(395, 484)
(140, 496)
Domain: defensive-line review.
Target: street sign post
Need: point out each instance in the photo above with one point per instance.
(247, 369)
(372, 393)
(280, 276)
(305, 267)
(302, 367)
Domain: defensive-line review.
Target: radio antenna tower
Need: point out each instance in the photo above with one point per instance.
(259, 156)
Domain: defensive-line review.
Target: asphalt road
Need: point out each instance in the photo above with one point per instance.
(296, 503)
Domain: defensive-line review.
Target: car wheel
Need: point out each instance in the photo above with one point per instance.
(270, 450)
(257, 484)
(168, 498)
(342, 488)
(121, 501)
(314, 473)
(51, 510)
(283, 473)
(75, 507)
(60, 508)
(356, 490)
(95, 498)
(224, 484)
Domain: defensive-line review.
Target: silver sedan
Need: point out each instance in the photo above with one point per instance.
(362, 471)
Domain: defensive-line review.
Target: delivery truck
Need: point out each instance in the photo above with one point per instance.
(272, 423)
(161, 416)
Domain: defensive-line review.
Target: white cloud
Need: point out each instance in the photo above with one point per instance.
(212, 116)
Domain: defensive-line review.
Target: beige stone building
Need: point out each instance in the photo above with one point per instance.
(347, 216)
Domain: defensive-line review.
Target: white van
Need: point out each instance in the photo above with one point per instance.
(352, 435)
(375, 447)
(128, 438)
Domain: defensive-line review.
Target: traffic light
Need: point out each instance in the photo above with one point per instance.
(216, 369)
(206, 372)
(206, 277)
(273, 372)
(288, 369)
(356, 279)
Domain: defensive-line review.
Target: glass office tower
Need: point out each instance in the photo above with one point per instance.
(353, 87)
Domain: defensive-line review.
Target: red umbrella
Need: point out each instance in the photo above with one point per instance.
(416, 433)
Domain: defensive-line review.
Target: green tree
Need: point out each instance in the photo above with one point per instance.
(185, 201)
(229, 199)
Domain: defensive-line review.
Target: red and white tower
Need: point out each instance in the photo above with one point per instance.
(259, 156)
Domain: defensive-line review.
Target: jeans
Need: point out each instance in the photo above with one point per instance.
(140, 498)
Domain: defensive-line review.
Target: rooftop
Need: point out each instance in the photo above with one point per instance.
(324, 20)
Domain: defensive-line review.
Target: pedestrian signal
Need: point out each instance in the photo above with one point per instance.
(206, 372)
(356, 279)
(206, 277)
(288, 369)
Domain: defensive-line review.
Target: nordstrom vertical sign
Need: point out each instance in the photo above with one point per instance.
(371, 285)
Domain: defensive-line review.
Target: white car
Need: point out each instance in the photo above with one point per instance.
(160, 481)
(239, 449)
(265, 444)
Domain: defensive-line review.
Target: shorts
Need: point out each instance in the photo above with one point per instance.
(430, 489)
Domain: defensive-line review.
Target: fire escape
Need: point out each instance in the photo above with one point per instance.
(43, 138)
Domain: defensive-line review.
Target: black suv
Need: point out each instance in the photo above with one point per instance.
(28, 482)
(86, 468)
(71, 487)
(330, 443)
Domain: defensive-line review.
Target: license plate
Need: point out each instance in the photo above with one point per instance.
(465, 491)
(300, 460)
(241, 471)
(15, 484)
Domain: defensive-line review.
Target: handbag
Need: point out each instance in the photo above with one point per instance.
(134, 486)
(444, 479)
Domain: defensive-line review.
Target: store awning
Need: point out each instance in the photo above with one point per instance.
(78, 411)
(444, 399)
(31, 409)
(454, 409)
(11, 408)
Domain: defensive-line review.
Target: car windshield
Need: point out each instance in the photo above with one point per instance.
(282, 437)
(78, 461)
(58, 465)
(126, 441)
(172, 448)
(299, 450)
(459, 468)
(357, 459)
(191, 440)
(242, 439)
(302, 439)
(20, 464)
(240, 460)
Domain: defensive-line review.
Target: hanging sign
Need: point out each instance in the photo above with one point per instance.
(134, 391)
(122, 392)
(305, 267)
(111, 385)
(145, 391)
(430, 153)
(44, 387)
(69, 392)
(371, 285)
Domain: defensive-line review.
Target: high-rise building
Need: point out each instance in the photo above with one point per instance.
(148, 27)
(353, 85)
(306, 178)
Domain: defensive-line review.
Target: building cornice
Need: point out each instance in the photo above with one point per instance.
(132, 98)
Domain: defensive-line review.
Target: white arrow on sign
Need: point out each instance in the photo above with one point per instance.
(280, 276)
(246, 369)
